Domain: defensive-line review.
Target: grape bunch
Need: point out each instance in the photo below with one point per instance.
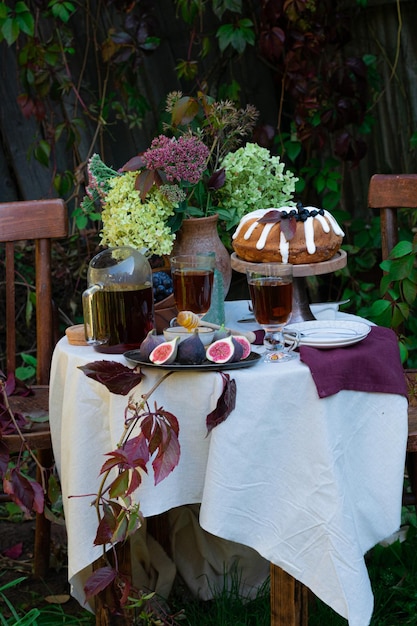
(162, 286)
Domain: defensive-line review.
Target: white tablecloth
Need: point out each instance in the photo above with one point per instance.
(311, 484)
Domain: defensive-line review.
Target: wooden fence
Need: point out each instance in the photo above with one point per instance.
(386, 30)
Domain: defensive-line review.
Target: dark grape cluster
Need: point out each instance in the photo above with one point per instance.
(162, 286)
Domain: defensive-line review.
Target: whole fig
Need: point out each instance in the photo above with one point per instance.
(148, 344)
(221, 333)
(191, 351)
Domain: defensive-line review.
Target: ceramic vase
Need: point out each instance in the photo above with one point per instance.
(199, 234)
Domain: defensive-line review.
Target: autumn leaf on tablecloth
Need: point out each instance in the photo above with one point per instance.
(288, 224)
(118, 378)
(225, 404)
(161, 430)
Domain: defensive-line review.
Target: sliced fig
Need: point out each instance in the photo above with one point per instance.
(191, 351)
(245, 345)
(149, 343)
(238, 353)
(221, 351)
(165, 353)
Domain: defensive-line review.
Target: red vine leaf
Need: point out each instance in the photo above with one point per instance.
(134, 164)
(272, 217)
(15, 387)
(14, 552)
(99, 580)
(27, 494)
(168, 455)
(288, 224)
(217, 179)
(130, 456)
(225, 404)
(118, 378)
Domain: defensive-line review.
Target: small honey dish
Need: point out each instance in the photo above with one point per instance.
(206, 334)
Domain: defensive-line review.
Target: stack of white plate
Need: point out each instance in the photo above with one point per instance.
(330, 333)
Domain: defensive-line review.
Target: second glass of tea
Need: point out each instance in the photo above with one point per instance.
(192, 279)
(270, 289)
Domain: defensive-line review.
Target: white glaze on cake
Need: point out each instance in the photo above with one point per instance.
(284, 244)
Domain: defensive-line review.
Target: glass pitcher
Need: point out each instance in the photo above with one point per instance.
(118, 303)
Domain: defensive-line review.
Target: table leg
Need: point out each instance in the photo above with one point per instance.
(289, 599)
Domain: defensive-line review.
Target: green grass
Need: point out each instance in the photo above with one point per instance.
(392, 570)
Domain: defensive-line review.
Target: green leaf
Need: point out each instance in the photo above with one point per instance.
(21, 7)
(401, 268)
(26, 23)
(409, 291)
(29, 359)
(237, 37)
(401, 249)
(25, 373)
(293, 149)
(28, 309)
(10, 30)
(379, 307)
(399, 314)
(119, 485)
(81, 222)
(220, 6)
(403, 351)
(42, 152)
(384, 284)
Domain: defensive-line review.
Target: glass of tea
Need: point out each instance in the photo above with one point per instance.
(192, 281)
(270, 289)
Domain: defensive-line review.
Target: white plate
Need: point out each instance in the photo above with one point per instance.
(330, 333)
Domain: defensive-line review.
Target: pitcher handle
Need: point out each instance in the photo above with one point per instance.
(88, 311)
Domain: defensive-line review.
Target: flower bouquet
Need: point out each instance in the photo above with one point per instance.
(198, 168)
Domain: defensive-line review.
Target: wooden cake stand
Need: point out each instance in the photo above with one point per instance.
(300, 306)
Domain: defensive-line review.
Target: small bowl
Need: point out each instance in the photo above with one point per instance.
(206, 334)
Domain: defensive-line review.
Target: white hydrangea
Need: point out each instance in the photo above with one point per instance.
(127, 221)
(254, 180)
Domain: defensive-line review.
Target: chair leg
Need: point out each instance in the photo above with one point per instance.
(42, 548)
(289, 599)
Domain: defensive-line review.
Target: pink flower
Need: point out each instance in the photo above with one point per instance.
(183, 159)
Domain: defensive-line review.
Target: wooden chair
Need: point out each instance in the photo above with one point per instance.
(37, 221)
(390, 193)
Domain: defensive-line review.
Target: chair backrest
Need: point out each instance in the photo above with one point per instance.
(388, 193)
(36, 221)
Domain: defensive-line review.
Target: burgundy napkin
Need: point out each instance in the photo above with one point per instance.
(373, 364)
(259, 337)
